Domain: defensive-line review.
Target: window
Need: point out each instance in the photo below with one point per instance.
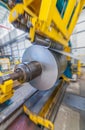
(71, 16)
(61, 6)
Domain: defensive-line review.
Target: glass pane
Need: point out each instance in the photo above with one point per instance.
(61, 6)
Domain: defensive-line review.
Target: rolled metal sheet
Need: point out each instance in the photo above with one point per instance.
(53, 65)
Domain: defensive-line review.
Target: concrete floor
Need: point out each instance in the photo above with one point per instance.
(69, 118)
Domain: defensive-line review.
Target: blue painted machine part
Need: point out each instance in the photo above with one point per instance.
(68, 71)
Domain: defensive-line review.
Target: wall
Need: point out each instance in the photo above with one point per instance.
(78, 37)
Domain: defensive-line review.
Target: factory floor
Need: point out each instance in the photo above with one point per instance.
(68, 117)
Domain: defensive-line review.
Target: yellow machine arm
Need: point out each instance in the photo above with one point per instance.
(53, 19)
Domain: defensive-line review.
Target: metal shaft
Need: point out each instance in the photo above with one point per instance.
(24, 72)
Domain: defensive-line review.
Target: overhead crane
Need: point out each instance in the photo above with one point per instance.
(50, 25)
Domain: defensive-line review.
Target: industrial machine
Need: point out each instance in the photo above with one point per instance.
(50, 25)
(5, 62)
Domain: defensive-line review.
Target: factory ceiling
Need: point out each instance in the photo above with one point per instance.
(7, 31)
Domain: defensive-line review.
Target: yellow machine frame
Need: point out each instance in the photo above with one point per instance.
(46, 19)
(47, 22)
(41, 117)
(6, 91)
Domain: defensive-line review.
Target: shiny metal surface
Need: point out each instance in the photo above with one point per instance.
(29, 71)
(61, 62)
(23, 72)
(67, 54)
(52, 66)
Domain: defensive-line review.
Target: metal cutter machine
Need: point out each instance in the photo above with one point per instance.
(50, 25)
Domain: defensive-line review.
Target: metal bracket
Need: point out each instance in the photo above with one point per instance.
(39, 120)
